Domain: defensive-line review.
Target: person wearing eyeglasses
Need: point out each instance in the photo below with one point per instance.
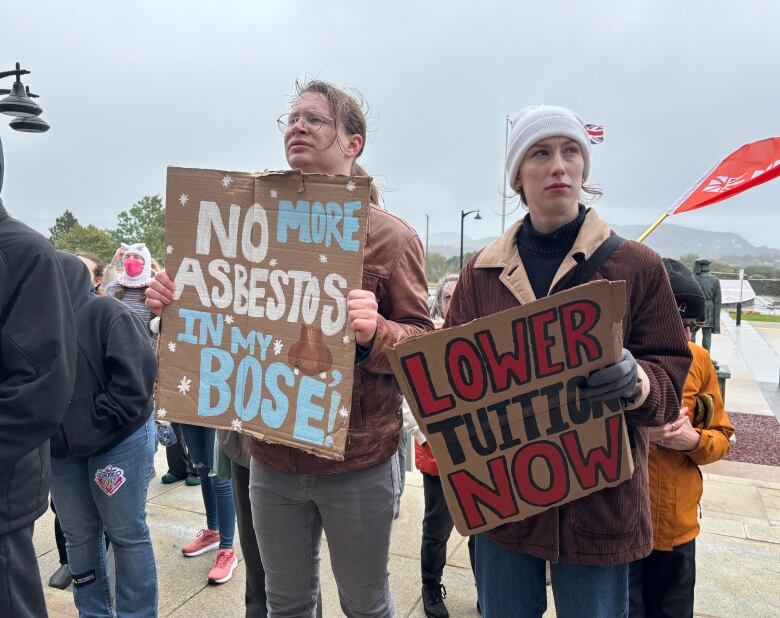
(295, 496)
(662, 584)
(589, 542)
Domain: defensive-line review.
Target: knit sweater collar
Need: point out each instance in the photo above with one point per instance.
(557, 242)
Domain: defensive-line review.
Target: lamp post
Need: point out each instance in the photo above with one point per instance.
(463, 215)
(19, 103)
(427, 220)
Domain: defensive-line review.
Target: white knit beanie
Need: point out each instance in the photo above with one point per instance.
(145, 277)
(538, 122)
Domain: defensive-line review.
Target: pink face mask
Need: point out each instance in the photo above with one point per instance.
(133, 267)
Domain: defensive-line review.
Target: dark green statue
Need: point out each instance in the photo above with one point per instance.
(711, 287)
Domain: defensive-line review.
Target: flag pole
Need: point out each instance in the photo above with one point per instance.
(655, 224)
(503, 201)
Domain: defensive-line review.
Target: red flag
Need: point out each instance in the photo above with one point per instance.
(747, 167)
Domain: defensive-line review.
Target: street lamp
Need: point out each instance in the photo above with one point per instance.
(19, 103)
(463, 215)
(427, 220)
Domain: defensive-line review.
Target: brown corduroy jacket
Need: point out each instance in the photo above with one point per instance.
(611, 526)
(393, 269)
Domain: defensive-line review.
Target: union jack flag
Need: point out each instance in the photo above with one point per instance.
(595, 133)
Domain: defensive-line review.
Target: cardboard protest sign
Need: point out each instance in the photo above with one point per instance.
(499, 401)
(257, 339)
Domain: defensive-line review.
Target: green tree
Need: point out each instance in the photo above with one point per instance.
(688, 259)
(61, 226)
(435, 266)
(90, 238)
(144, 222)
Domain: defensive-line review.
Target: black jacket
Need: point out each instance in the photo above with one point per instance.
(37, 360)
(115, 370)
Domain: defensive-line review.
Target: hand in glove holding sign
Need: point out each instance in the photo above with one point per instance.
(613, 382)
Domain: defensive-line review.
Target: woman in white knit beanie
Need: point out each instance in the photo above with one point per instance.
(588, 542)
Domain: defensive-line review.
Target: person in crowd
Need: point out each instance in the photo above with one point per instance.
(437, 521)
(218, 500)
(296, 495)
(130, 287)
(662, 583)
(95, 266)
(233, 461)
(37, 360)
(110, 271)
(590, 542)
(102, 453)
(61, 578)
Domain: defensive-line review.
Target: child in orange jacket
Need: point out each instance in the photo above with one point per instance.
(662, 584)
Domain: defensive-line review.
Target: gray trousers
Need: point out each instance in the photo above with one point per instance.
(355, 509)
(21, 595)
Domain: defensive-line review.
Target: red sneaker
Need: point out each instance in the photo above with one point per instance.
(224, 565)
(205, 541)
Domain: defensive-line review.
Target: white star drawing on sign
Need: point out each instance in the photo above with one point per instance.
(183, 199)
(350, 186)
(172, 346)
(323, 375)
(228, 319)
(274, 193)
(169, 249)
(235, 424)
(296, 371)
(343, 411)
(278, 347)
(273, 262)
(162, 412)
(345, 339)
(226, 181)
(184, 385)
(323, 259)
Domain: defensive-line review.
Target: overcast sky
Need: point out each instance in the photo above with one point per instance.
(129, 88)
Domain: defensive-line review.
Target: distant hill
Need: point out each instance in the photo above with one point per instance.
(669, 240)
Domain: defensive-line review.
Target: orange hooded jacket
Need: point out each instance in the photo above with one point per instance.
(674, 476)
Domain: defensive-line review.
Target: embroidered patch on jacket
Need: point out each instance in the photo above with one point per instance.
(110, 479)
(84, 579)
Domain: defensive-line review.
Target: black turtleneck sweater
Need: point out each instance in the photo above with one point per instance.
(542, 254)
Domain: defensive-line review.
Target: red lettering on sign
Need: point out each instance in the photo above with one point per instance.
(511, 367)
(606, 459)
(465, 369)
(472, 494)
(527, 487)
(428, 402)
(577, 320)
(542, 343)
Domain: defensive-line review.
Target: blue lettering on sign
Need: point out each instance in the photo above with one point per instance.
(275, 415)
(306, 410)
(211, 327)
(214, 378)
(320, 224)
(248, 364)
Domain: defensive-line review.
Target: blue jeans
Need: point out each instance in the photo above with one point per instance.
(511, 584)
(108, 491)
(217, 492)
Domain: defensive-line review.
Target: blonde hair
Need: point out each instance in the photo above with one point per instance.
(348, 114)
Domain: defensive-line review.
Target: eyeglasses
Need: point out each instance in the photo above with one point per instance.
(693, 324)
(311, 121)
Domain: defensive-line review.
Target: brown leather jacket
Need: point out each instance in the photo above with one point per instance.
(393, 269)
(611, 526)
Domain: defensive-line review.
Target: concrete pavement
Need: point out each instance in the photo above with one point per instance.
(738, 550)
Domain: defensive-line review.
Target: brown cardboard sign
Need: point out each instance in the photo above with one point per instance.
(499, 401)
(257, 339)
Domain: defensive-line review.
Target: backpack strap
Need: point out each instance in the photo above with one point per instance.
(584, 271)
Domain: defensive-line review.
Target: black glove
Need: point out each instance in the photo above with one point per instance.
(613, 382)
